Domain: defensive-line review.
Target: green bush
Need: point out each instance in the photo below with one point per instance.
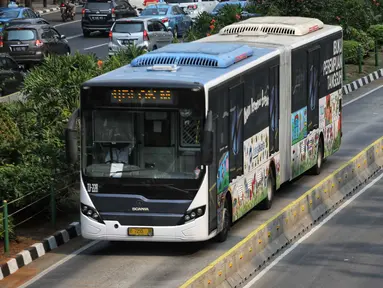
(360, 36)
(376, 32)
(350, 51)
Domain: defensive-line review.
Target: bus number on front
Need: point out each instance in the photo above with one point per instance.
(92, 188)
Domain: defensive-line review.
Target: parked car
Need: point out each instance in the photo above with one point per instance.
(146, 32)
(171, 15)
(11, 75)
(194, 8)
(243, 4)
(100, 15)
(29, 44)
(7, 14)
(32, 21)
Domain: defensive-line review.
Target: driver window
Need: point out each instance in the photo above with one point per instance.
(31, 14)
(150, 26)
(157, 129)
(163, 27)
(55, 33)
(174, 11)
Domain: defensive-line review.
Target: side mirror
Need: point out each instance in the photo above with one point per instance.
(62, 36)
(170, 29)
(71, 139)
(134, 7)
(208, 138)
(38, 15)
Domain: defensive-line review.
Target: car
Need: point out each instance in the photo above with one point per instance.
(29, 44)
(99, 15)
(243, 4)
(7, 14)
(171, 15)
(11, 75)
(145, 32)
(20, 21)
(194, 7)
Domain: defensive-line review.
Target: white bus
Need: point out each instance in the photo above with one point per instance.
(188, 138)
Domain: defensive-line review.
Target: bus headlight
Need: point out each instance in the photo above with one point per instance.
(192, 214)
(91, 213)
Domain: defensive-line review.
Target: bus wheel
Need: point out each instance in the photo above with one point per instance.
(318, 166)
(222, 236)
(271, 187)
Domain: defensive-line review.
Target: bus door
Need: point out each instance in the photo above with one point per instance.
(313, 73)
(274, 110)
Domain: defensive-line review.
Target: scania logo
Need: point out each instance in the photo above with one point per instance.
(146, 209)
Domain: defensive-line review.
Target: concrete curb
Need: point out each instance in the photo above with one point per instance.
(355, 85)
(38, 250)
(47, 10)
(237, 265)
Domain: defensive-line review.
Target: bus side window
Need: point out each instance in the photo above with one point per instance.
(236, 131)
(313, 72)
(274, 110)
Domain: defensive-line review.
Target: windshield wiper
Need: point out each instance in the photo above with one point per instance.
(174, 188)
(129, 171)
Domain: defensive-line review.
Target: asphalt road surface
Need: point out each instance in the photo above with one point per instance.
(129, 264)
(97, 43)
(346, 252)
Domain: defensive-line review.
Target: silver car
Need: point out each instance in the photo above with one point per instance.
(146, 32)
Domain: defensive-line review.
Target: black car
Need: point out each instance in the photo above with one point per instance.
(11, 75)
(29, 44)
(21, 21)
(100, 15)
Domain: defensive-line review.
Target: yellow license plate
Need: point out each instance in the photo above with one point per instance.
(140, 231)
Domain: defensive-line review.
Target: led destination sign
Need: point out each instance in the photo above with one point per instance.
(142, 96)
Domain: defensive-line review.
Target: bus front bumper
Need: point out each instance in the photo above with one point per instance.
(193, 231)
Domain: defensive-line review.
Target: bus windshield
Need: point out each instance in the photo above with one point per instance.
(134, 143)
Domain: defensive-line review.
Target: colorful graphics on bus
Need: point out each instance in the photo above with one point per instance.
(299, 125)
(251, 188)
(223, 173)
(304, 152)
(256, 150)
(330, 121)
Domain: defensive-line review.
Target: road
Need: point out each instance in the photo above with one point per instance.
(97, 43)
(107, 264)
(345, 252)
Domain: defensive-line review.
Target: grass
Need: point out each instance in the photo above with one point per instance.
(352, 71)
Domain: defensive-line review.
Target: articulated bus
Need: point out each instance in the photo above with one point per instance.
(187, 139)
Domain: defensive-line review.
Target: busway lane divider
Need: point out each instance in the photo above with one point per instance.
(246, 258)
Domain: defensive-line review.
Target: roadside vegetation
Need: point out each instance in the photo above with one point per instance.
(32, 154)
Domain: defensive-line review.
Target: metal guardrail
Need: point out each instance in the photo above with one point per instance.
(46, 192)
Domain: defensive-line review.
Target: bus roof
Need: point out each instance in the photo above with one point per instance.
(198, 69)
(274, 31)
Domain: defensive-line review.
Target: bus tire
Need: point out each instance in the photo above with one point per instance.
(222, 236)
(318, 166)
(271, 187)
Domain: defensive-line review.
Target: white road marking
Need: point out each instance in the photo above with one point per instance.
(74, 36)
(66, 23)
(295, 245)
(62, 261)
(96, 46)
(362, 96)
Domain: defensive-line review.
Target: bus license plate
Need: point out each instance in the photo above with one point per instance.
(140, 231)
